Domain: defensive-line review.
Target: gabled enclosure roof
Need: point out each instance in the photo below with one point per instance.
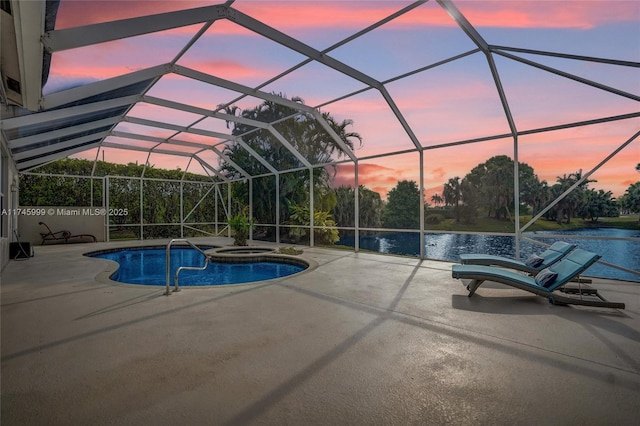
(100, 114)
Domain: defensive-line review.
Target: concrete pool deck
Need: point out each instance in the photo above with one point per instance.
(362, 339)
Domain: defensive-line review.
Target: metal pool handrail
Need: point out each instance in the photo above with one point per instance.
(193, 268)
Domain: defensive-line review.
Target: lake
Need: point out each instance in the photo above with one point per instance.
(450, 246)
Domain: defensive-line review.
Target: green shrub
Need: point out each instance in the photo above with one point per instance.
(434, 219)
(300, 216)
(446, 213)
(241, 225)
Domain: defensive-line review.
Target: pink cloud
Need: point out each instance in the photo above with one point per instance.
(123, 156)
(615, 176)
(94, 65)
(79, 13)
(547, 14)
(515, 14)
(231, 70)
(438, 174)
(357, 15)
(375, 176)
(308, 15)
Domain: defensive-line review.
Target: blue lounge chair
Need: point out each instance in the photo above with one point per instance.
(533, 265)
(545, 283)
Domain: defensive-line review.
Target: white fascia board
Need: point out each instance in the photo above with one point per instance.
(58, 146)
(71, 38)
(42, 117)
(29, 25)
(201, 111)
(40, 137)
(56, 99)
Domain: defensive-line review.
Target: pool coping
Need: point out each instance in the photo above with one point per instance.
(112, 266)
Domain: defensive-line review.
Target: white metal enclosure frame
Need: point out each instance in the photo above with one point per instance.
(78, 119)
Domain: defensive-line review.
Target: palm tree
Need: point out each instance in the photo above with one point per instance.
(305, 134)
(344, 210)
(540, 196)
(371, 207)
(573, 201)
(451, 192)
(631, 198)
(498, 185)
(437, 199)
(599, 204)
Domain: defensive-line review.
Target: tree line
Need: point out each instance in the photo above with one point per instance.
(67, 182)
(488, 189)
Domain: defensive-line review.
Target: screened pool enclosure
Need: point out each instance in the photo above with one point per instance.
(267, 108)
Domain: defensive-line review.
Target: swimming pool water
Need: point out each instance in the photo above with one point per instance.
(147, 266)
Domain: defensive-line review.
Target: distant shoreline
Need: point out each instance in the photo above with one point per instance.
(493, 225)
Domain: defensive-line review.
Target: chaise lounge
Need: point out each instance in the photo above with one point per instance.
(545, 283)
(62, 235)
(533, 265)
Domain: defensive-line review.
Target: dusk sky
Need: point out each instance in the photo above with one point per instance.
(448, 103)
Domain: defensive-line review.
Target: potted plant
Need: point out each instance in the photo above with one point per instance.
(240, 225)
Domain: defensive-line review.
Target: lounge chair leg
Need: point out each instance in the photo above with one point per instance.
(473, 286)
(555, 302)
(601, 302)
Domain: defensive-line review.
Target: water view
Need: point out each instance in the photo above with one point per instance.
(450, 246)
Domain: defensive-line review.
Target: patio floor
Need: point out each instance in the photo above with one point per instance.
(362, 339)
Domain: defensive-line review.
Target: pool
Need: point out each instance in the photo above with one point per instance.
(147, 266)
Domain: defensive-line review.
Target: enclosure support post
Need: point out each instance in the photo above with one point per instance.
(516, 194)
(277, 177)
(250, 207)
(181, 209)
(106, 206)
(311, 209)
(216, 192)
(141, 209)
(356, 204)
(228, 208)
(422, 201)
